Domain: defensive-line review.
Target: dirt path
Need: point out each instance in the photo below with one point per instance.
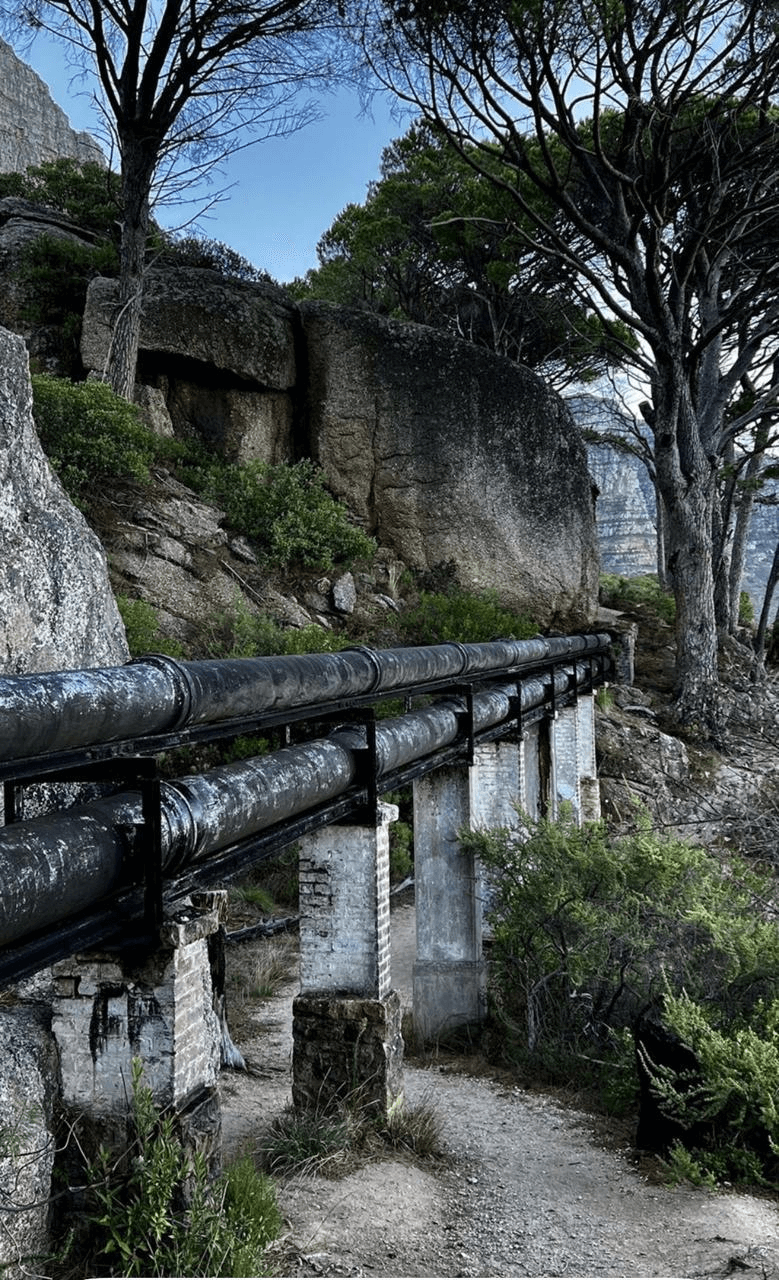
(527, 1191)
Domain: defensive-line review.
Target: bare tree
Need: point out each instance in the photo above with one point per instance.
(651, 129)
(181, 84)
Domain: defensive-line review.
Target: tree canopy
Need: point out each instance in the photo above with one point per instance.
(181, 84)
(650, 132)
(435, 243)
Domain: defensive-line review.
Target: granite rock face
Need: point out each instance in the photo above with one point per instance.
(223, 354)
(447, 453)
(34, 129)
(56, 606)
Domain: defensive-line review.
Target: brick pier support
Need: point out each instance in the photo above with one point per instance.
(109, 1009)
(347, 1041)
(575, 772)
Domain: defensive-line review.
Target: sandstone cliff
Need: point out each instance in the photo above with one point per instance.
(34, 128)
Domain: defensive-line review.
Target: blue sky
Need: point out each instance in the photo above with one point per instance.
(285, 192)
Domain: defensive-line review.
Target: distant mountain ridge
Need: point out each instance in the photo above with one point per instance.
(33, 128)
(625, 508)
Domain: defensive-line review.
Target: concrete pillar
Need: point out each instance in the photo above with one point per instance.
(589, 785)
(449, 981)
(347, 1043)
(495, 793)
(532, 797)
(110, 1008)
(575, 769)
(565, 757)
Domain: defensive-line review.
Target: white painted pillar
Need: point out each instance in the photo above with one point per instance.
(347, 1040)
(449, 980)
(588, 767)
(531, 774)
(344, 908)
(565, 757)
(495, 792)
(575, 768)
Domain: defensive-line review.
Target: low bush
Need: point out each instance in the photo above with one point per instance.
(617, 592)
(142, 629)
(286, 510)
(464, 616)
(90, 435)
(593, 929)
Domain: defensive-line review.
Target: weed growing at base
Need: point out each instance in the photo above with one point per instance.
(156, 1211)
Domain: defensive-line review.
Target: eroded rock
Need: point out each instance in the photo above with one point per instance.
(56, 606)
(448, 453)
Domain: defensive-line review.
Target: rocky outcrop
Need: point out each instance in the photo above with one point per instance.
(222, 353)
(444, 452)
(56, 606)
(447, 452)
(21, 224)
(34, 128)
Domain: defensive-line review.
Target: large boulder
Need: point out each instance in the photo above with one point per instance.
(448, 452)
(22, 223)
(56, 606)
(221, 351)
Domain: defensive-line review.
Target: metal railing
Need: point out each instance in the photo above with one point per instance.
(103, 870)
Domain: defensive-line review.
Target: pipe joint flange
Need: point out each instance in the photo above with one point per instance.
(373, 659)
(182, 680)
(464, 653)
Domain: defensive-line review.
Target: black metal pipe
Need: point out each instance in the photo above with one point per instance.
(66, 710)
(59, 864)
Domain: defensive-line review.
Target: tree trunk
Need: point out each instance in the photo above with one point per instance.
(773, 579)
(138, 166)
(686, 483)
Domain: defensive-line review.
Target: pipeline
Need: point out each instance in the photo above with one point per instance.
(60, 864)
(66, 710)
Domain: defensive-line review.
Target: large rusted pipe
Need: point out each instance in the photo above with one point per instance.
(62, 863)
(67, 710)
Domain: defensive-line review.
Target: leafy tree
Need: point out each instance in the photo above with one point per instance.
(181, 85)
(652, 133)
(435, 243)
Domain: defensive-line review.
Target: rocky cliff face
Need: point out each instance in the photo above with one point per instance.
(450, 453)
(32, 127)
(443, 452)
(56, 605)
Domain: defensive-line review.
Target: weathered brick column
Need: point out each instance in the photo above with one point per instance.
(347, 1041)
(449, 977)
(109, 1009)
(573, 749)
(496, 791)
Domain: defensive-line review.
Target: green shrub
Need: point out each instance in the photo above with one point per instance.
(157, 1212)
(56, 273)
(142, 629)
(239, 633)
(468, 617)
(200, 252)
(90, 435)
(591, 928)
(746, 610)
(286, 510)
(617, 592)
(734, 1103)
(87, 192)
